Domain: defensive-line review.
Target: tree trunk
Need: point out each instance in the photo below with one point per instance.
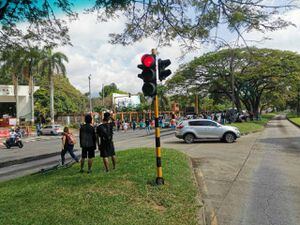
(31, 91)
(16, 93)
(256, 107)
(238, 103)
(51, 82)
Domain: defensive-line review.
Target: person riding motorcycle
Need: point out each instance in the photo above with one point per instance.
(12, 136)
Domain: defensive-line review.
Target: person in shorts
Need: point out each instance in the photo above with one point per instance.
(87, 138)
(105, 141)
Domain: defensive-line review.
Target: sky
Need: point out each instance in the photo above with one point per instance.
(92, 54)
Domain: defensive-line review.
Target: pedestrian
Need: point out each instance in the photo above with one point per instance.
(147, 126)
(87, 137)
(118, 124)
(125, 126)
(223, 117)
(133, 125)
(105, 141)
(68, 142)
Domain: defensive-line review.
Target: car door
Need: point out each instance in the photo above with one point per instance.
(199, 129)
(213, 130)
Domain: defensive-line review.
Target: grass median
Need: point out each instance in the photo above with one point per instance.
(254, 126)
(123, 196)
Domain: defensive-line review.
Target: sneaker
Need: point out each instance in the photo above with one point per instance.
(81, 171)
(89, 171)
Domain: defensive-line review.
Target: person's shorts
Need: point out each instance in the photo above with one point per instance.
(88, 153)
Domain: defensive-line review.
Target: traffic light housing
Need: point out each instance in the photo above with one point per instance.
(148, 75)
(162, 72)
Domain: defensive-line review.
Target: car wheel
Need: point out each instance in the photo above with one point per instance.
(189, 138)
(229, 137)
(51, 133)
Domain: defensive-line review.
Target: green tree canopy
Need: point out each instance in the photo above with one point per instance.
(108, 90)
(257, 73)
(192, 21)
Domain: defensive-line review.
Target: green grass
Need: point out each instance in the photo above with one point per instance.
(122, 196)
(254, 126)
(295, 120)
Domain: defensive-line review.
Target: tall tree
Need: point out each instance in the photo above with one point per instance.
(51, 64)
(164, 101)
(192, 22)
(108, 90)
(29, 63)
(258, 73)
(12, 64)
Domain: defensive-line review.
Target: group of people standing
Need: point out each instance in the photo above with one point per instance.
(89, 139)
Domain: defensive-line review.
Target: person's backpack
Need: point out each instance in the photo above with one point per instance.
(71, 139)
(105, 132)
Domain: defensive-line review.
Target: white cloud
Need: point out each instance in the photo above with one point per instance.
(92, 54)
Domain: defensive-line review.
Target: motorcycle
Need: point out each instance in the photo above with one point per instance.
(17, 142)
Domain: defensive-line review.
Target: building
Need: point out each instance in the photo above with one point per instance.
(125, 100)
(8, 107)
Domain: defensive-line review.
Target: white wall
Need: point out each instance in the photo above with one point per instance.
(7, 95)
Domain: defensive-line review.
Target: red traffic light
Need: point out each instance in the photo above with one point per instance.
(148, 60)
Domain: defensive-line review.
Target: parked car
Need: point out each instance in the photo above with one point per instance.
(52, 130)
(193, 129)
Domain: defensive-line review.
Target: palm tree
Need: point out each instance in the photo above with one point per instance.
(52, 64)
(11, 63)
(30, 67)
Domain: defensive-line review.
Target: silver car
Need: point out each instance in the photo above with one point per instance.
(190, 130)
(52, 130)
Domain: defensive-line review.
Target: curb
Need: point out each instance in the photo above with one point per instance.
(208, 215)
(201, 211)
(297, 125)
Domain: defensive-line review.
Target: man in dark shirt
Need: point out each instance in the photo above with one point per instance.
(105, 141)
(87, 137)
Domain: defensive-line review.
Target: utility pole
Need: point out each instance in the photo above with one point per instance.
(103, 95)
(90, 94)
(298, 100)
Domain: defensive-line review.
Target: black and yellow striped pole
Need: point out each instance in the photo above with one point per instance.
(159, 178)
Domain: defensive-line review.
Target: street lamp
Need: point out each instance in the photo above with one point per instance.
(90, 94)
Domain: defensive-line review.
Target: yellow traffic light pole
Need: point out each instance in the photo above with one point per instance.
(159, 178)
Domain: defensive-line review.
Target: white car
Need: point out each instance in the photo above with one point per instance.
(190, 130)
(51, 130)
